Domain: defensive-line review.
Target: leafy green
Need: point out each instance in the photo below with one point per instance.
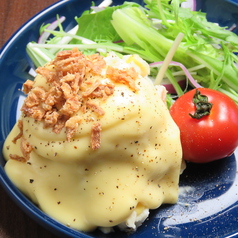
(150, 31)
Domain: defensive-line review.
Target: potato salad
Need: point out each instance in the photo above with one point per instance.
(95, 145)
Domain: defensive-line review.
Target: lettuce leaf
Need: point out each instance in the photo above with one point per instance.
(150, 31)
(97, 26)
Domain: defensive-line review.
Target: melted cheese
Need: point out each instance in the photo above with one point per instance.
(136, 168)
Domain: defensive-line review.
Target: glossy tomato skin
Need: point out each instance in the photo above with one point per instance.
(212, 137)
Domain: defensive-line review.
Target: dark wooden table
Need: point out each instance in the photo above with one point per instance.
(13, 222)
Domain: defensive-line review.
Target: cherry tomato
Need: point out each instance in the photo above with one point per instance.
(207, 134)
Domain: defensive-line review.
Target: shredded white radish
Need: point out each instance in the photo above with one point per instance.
(105, 3)
(168, 58)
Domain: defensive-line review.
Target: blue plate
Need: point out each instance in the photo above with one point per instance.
(208, 202)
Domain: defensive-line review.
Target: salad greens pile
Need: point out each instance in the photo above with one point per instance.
(206, 50)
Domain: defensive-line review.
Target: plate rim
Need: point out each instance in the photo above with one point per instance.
(9, 186)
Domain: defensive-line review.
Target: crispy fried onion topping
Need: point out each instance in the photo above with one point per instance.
(74, 81)
(25, 146)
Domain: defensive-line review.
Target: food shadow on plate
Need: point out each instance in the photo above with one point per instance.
(210, 176)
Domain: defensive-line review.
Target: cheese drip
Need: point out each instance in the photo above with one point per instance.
(136, 167)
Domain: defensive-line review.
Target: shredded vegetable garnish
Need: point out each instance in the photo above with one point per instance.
(185, 70)
(150, 32)
(45, 35)
(168, 58)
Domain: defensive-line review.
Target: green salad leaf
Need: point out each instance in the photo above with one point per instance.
(207, 50)
(97, 27)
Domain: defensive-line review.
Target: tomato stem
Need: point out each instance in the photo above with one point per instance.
(203, 107)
